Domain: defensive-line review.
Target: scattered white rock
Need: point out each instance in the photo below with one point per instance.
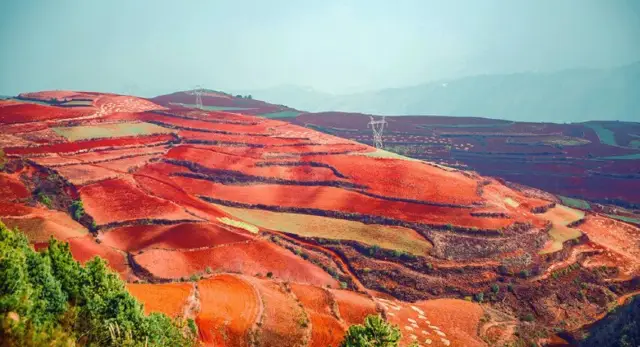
(445, 342)
(427, 341)
(408, 328)
(440, 333)
(411, 320)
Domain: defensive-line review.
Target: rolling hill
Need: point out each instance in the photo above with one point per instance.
(576, 95)
(268, 233)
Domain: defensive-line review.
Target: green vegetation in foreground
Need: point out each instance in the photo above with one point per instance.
(281, 114)
(48, 299)
(375, 332)
(605, 135)
(621, 328)
(86, 132)
(575, 203)
(624, 218)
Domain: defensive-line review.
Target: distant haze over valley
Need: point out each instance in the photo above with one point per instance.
(573, 95)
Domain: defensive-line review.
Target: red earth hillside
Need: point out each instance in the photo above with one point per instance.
(271, 233)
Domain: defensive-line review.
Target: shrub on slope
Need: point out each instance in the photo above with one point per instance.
(374, 333)
(48, 298)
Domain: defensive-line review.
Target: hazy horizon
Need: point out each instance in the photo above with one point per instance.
(154, 47)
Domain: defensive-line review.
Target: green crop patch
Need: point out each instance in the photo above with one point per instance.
(625, 218)
(281, 114)
(605, 135)
(86, 132)
(575, 203)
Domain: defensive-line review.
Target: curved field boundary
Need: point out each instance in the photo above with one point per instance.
(168, 298)
(208, 120)
(364, 218)
(91, 145)
(302, 163)
(395, 238)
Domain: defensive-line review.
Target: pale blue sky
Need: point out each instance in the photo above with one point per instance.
(157, 46)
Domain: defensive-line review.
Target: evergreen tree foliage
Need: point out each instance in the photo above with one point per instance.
(48, 299)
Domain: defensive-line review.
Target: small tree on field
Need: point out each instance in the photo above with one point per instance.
(375, 332)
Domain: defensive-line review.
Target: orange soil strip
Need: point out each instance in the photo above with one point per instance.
(83, 174)
(325, 328)
(11, 188)
(117, 201)
(56, 160)
(167, 298)
(336, 199)
(186, 235)
(85, 248)
(217, 160)
(29, 112)
(42, 224)
(251, 258)
(353, 307)
(405, 179)
(154, 178)
(282, 318)
(11, 209)
(196, 124)
(620, 238)
(70, 147)
(229, 307)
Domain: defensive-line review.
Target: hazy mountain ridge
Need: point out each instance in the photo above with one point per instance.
(566, 96)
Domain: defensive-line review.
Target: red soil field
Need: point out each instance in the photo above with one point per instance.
(181, 236)
(84, 248)
(216, 160)
(197, 124)
(153, 179)
(325, 328)
(28, 112)
(249, 257)
(117, 201)
(282, 320)
(11, 209)
(12, 188)
(335, 199)
(229, 306)
(167, 298)
(123, 103)
(405, 179)
(21, 128)
(90, 145)
(242, 139)
(354, 307)
(41, 224)
(128, 164)
(458, 319)
(80, 175)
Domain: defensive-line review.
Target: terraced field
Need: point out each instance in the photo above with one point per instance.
(269, 233)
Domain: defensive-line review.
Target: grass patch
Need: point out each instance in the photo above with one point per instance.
(511, 202)
(238, 224)
(390, 237)
(281, 114)
(575, 203)
(87, 132)
(605, 135)
(561, 216)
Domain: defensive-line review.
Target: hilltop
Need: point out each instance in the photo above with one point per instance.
(271, 233)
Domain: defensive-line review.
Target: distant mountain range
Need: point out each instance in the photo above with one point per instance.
(565, 96)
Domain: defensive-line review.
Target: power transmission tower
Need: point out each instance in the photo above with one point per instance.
(198, 92)
(377, 126)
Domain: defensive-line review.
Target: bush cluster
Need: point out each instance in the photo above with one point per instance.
(48, 298)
